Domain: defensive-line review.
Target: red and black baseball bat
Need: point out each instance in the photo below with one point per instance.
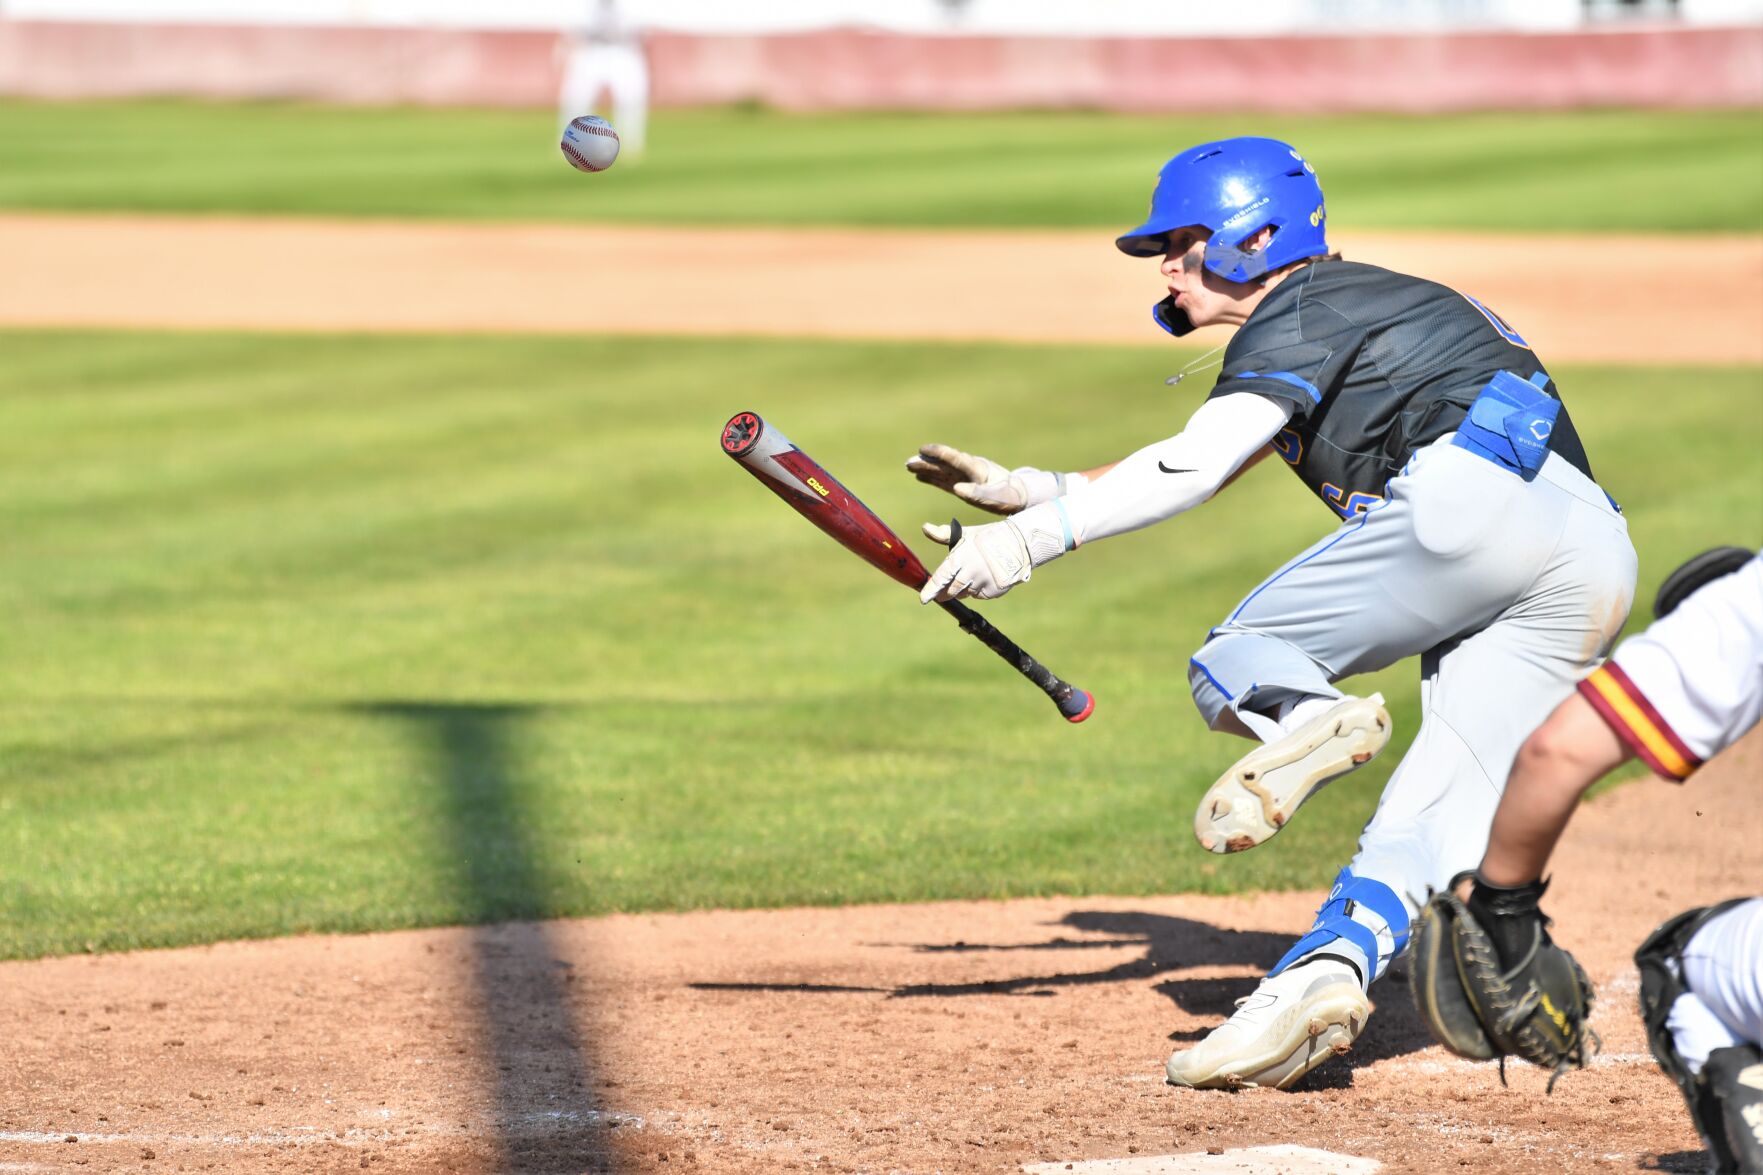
(819, 497)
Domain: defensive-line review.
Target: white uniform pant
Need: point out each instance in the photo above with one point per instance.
(616, 70)
(1723, 970)
(1509, 590)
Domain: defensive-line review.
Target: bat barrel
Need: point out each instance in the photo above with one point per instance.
(819, 497)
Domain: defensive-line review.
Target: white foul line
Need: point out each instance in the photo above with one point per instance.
(526, 1125)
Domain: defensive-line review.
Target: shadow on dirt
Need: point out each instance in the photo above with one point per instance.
(1170, 944)
(1678, 1161)
(545, 1119)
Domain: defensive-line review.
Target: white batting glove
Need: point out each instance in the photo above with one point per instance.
(986, 561)
(980, 481)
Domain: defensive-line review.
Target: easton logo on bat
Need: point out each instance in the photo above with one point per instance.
(851, 522)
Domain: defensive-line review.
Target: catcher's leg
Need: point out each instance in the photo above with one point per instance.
(1702, 1004)
(1734, 1079)
(1723, 966)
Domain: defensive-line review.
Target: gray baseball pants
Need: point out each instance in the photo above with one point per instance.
(1510, 592)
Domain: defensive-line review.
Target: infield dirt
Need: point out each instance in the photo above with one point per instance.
(949, 1037)
(1691, 299)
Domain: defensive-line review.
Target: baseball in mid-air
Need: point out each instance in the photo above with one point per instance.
(590, 143)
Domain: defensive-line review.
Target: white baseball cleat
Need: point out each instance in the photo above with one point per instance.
(1255, 798)
(1292, 1023)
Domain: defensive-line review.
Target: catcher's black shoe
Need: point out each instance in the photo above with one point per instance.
(1733, 1077)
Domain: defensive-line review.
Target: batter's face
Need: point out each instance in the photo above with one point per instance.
(1207, 298)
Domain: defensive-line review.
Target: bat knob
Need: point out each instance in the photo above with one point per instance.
(1078, 706)
(741, 433)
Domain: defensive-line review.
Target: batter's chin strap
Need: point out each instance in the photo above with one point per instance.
(1171, 317)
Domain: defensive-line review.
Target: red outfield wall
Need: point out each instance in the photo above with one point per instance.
(849, 68)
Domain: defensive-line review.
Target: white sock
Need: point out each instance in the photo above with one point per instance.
(1297, 712)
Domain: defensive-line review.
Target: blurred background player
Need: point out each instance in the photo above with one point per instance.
(1472, 534)
(1675, 695)
(603, 58)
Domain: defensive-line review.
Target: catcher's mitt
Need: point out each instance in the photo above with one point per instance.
(1489, 982)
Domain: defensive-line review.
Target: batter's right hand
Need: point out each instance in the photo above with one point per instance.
(986, 561)
(982, 482)
(983, 562)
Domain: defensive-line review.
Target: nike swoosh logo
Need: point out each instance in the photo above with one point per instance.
(1167, 469)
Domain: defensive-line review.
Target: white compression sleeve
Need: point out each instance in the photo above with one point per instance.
(1161, 480)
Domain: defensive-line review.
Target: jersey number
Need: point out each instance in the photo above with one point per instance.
(1289, 445)
(1499, 324)
(1345, 504)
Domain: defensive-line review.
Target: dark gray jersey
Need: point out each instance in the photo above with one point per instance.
(1375, 365)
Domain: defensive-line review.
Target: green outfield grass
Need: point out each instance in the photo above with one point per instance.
(344, 633)
(1599, 170)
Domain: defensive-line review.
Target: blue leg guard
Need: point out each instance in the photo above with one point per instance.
(1362, 920)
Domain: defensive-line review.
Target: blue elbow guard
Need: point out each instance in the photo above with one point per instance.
(1510, 423)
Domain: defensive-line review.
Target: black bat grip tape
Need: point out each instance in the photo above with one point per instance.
(1074, 703)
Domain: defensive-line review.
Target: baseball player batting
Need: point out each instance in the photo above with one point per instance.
(1674, 695)
(1471, 533)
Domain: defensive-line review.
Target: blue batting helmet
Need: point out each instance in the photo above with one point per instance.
(1236, 188)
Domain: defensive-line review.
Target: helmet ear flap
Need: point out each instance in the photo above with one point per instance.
(1235, 263)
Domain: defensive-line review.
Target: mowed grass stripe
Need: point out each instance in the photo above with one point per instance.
(1641, 171)
(349, 633)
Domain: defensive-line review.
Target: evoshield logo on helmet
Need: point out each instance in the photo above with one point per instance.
(1245, 213)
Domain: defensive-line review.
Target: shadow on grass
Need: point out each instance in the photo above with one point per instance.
(545, 1120)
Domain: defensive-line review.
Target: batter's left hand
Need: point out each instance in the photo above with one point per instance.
(980, 481)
